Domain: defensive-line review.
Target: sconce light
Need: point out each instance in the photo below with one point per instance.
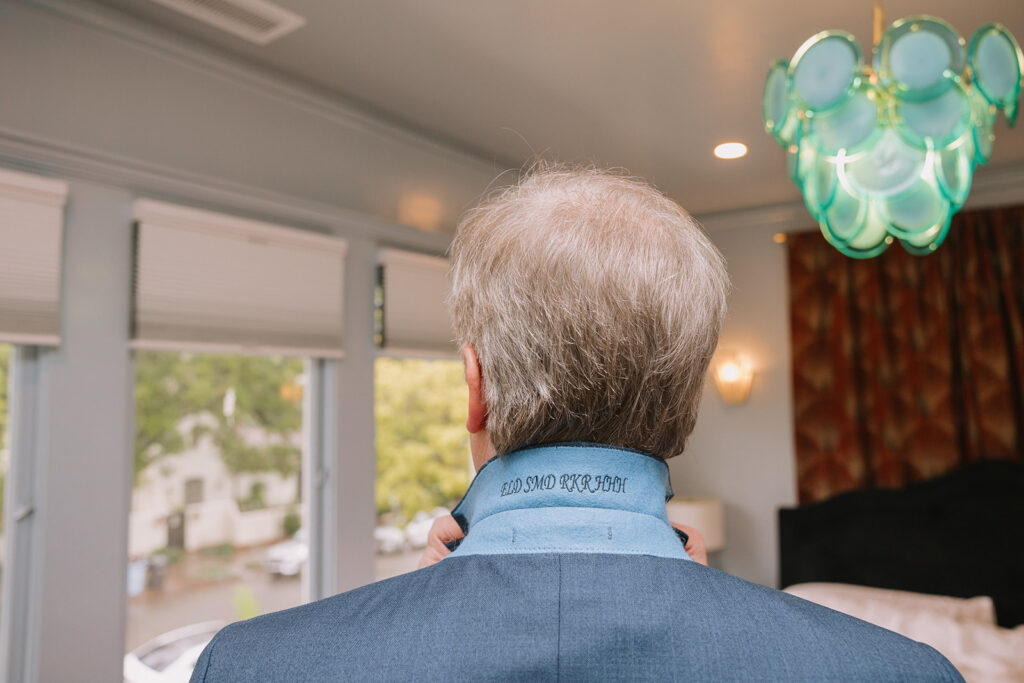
(703, 514)
(733, 377)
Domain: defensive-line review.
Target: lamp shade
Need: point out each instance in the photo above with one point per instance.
(733, 377)
(706, 515)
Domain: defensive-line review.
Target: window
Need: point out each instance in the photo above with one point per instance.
(31, 236)
(5, 451)
(219, 523)
(215, 533)
(423, 460)
(193, 491)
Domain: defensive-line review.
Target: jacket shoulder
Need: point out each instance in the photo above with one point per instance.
(852, 647)
(356, 630)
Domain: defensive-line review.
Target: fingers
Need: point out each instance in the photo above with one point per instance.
(695, 548)
(444, 530)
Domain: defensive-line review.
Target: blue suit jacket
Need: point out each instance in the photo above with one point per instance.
(569, 571)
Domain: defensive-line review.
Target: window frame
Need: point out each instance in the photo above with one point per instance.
(42, 636)
(19, 615)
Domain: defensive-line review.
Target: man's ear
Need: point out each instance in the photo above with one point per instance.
(477, 419)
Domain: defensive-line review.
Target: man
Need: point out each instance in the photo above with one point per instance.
(587, 306)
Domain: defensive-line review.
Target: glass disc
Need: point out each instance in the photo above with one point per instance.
(872, 234)
(936, 122)
(825, 69)
(889, 168)
(791, 128)
(820, 185)
(920, 57)
(954, 170)
(996, 62)
(851, 126)
(810, 201)
(825, 181)
(871, 241)
(800, 158)
(844, 220)
(983, 119)
(928, 240)
(775, 102)
(915, 211)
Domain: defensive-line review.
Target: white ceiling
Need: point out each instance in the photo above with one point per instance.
(649, 86)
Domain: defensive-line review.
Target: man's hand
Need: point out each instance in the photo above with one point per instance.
(445, 530)
(695, 547)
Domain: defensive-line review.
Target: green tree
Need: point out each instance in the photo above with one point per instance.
(422, 444)
(172, 386)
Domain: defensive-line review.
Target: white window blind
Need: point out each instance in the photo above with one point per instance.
(210, 282)
(414, 316)
(31, 228)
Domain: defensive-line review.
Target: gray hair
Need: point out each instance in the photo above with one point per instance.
(594, 304)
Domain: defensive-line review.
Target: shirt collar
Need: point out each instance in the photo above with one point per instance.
(569, 497)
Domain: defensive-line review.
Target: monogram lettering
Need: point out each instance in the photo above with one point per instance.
(576, 482)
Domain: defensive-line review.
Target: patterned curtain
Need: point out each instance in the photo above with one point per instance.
(906, 367)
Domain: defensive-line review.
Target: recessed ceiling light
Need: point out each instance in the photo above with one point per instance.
(730, 150)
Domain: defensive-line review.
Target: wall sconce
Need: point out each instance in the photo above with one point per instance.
(733, 377)
(706, 515)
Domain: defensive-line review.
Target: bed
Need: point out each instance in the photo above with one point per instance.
(941, 561)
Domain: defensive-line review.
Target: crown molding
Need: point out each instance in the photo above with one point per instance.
(27, 153)
(214, 62)
(993, 186)
(786, 217)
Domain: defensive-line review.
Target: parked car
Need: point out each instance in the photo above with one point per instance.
(287, 557)
(389, 539)
(419, 528)
(170, 657)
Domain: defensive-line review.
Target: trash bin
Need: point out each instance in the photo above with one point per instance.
(157, 572)
(137, 576)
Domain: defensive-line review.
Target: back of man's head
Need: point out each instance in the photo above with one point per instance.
(594, 304)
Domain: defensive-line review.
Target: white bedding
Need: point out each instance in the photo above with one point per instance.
(962, 629)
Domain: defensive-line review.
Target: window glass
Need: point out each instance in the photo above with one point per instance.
(215, 533)
(423, 461)
(5, 450)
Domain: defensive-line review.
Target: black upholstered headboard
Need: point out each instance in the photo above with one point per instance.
(961, 534)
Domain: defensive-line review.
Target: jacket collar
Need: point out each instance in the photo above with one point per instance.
(569, 497)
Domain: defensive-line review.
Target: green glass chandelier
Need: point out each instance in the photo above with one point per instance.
(887, 150)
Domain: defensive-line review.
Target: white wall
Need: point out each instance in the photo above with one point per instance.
(744, 454)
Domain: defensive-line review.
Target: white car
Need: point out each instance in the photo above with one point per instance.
(418, 529)
(170, 657)
(389, 539)
(287, 557)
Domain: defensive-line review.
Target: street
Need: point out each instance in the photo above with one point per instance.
(205, 588)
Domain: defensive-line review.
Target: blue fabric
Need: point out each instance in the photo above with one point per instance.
(569, 498)
(527, 615)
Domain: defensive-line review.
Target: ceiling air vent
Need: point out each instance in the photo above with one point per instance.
(258, 21)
